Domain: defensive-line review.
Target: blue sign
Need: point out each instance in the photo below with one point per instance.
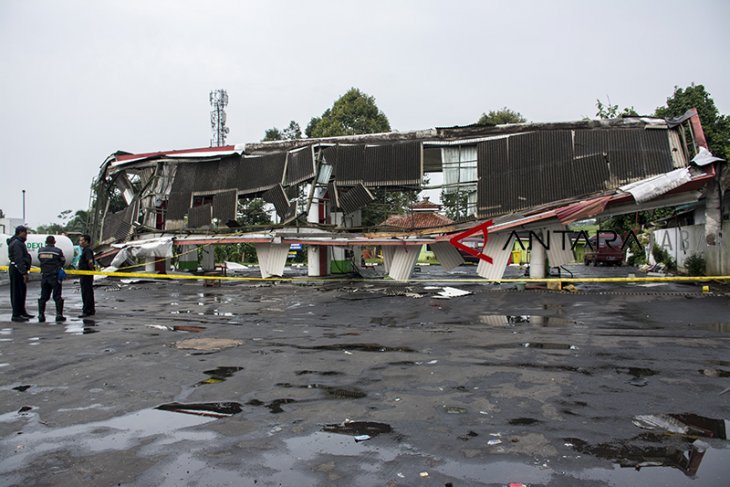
(295, 247)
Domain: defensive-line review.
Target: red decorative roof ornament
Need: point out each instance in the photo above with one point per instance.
(484, 229)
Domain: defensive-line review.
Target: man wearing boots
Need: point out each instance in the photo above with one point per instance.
(19, 268)
(52, 261)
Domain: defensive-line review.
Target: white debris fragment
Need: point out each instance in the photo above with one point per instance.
(431, 362)
(494, 442)
(451, 292)
(360, 438)
(423, 474)
(160, 327)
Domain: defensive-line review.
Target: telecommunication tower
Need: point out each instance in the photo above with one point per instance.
(219, 131)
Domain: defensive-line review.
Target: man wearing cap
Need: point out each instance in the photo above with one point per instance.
(18, 270)
(52, 261)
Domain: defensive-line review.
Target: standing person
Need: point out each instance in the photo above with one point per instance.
(18, 269)
(86, 263)
(52, 261)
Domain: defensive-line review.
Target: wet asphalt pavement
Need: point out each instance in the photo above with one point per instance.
(616, 384)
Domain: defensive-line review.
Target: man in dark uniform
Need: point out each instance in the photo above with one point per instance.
(52, 260)
(18, 270)
(86, 263)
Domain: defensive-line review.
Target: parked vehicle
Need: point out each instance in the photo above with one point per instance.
(606, 248)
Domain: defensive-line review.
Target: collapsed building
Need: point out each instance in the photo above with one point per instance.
(536, 176)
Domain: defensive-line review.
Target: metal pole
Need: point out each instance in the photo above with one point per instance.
(23, 207)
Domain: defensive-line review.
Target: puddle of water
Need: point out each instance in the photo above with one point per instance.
(358, 428)
(717, 327)
(714, 372)
(315, 372)
(80, 328)
(672, 443)
(511, 320)
(636, 372)
(524, 421)
(361, 347)
(219, 375)
(209, 409)
(120, 433)
(685, 424)
(334, 392)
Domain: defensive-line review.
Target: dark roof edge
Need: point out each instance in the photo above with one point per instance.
(455, 132)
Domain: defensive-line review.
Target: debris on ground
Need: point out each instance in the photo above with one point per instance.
(210, 409)
(184, 328)
(451, 292)
(358, 428)
(207, 344)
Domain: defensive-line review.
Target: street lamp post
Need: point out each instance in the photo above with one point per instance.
(23, 207)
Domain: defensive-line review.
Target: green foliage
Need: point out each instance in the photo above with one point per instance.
(245, 253)
(353, 113)
(500, 117)
(612, 111)
(387, 202)
(456, 204)
(715, 125)
(293, 131)
(252, 213)
(696, 265)
(77, 222)
(661, 256)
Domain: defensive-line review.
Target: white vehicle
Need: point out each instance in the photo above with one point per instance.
(35, 242)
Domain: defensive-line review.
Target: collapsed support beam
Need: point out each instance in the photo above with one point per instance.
(272, 259)
(404, 259)
(448, 256)
(388, 252)
(499, 248)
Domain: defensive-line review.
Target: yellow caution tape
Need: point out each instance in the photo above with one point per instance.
(142, 275)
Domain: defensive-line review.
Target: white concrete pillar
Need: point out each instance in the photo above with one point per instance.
(149, 265)
(537, 259)
(207, 258)
(317, 253)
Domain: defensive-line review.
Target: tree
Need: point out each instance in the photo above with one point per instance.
(715, 125)
(353, 113)
(252, 213)
(356, 113)
(612, 111)
(501, 117)
(293, 131)
(456, 205)
(76, 223)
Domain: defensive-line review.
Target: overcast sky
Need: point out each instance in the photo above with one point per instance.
(82, 79)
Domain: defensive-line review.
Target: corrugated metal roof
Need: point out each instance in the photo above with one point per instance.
(200, 216)
(494, 249)
(530, 169)
(225, 205)
(277, 197)
(358, 197)
(300, 165)
(448, 256)
(403, 260)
